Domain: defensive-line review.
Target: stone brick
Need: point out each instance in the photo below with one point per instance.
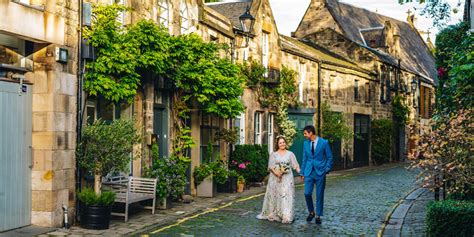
(42, 160)
(42, 140)
(41, 218)
(42, 180)
(43, 102)
(40, 82)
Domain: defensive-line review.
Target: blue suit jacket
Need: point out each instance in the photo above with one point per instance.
(321, 161)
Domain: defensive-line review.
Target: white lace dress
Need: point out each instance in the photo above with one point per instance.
(279, 201)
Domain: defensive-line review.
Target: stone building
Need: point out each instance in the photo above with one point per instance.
(38, 48)
(394, 49)
(355, 76)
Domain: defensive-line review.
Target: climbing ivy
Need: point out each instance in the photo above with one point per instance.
(278, 98)
(400, 111)
(125, 53)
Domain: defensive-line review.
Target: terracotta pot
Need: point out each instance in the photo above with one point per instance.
(240, 187)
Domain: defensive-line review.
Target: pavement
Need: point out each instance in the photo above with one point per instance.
(356, 203)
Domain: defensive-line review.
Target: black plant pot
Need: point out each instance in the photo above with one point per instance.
(95, 217)
(230, 186)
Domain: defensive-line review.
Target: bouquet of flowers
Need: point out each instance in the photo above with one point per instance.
(283, 168)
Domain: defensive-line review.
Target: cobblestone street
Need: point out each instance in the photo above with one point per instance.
(354, 205)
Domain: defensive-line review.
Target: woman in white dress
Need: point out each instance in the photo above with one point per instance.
(279, 201)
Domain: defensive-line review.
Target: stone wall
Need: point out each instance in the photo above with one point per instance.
(51, 24)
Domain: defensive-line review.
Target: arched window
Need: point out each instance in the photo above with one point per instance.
(164, 12)
(184, 16)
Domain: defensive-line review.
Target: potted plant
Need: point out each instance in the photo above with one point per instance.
(171, 177)
(240, 184)
(104, 148)
(96, 209)
(207, 175)
(204, 181)
(230, 185)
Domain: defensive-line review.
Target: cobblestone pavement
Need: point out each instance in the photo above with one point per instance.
(414, 223)
(354, 205)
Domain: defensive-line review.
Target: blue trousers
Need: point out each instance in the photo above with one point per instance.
(309, 182)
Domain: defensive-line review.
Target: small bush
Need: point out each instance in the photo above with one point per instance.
(88, 197)
(381, 130)
(450, 218)
(250, 161)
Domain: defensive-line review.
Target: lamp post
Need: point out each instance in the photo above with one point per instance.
(247, 22)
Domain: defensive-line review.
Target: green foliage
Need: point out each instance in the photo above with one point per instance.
(231, 136)
(400, 111)
(438, 10)
(122, 54)
(88, 197)
(278, 98)
(106, 148)
(381, 132)
(250, 161)
(287, 88)
(450, 218)
(455, 61)
(197, 70)
(253, 73)
(217, 169)
(334, 125)
(241, 179)
(171, 175)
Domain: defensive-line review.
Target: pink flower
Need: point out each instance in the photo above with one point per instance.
(234, 162)
(242, 166)
(441, 72)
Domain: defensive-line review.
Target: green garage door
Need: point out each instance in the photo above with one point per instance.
(301, 121)
(15, 155)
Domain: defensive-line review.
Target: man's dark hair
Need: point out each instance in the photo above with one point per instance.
(310, 128)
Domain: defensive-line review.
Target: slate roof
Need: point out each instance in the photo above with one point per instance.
(232, 10)
(415, 54)
(313, 51)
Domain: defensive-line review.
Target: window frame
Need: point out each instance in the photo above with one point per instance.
(163, 8)
(270, 132)
(265, 51)
(356, 90)
(257, 125)
(184, 17)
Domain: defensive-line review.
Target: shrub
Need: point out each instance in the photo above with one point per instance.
(381, 130)
(450, 218)
(88, 197)
(216, 168)
(250, 161)
(171, 175)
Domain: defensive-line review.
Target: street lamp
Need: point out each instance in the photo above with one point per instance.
(246, 23)
(246, 27)
(414, 85)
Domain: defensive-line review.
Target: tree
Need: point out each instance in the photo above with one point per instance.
(107, 148)
(438, 10)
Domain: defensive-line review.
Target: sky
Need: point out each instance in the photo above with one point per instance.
(288, 13)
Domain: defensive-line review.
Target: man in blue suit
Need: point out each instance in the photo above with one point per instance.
(317, 162)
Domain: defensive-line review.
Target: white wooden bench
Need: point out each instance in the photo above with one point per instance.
(130, 190)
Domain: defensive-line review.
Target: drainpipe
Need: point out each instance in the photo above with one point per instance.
(320, 81)
(79, 109)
